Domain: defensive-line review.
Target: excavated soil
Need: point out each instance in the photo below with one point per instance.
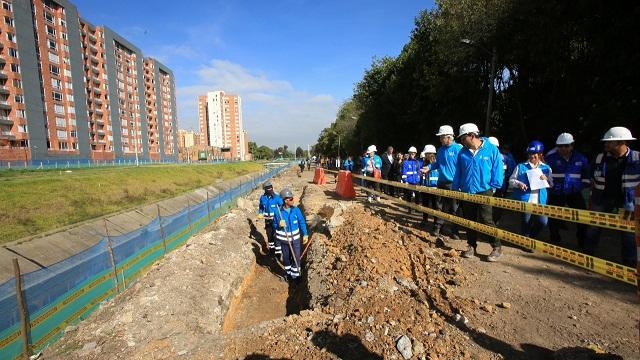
(373, 284)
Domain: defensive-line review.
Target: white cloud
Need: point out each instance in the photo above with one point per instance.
(274, 112)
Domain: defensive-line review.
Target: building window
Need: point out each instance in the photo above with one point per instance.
(13, 52)
(11, 37)
(22, 128)
(63, 145)
(50, 30)
(56, 95)
(48, 17)
(51, 44)
(63, 36)
(15, 68)
(56, 84)
(62, 134)
(74, 134)
(61, 122)
(21, 113)
(17, 83)
(54, 70)
(8, 20)
(18, 98)
(54, 58)
(6, 6)
(59, 109)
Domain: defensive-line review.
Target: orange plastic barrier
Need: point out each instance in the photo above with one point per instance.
(344, 186)
(318, 177)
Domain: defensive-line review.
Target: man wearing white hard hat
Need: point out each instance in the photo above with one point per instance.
(411, 172)
(372, 165)
(616, 174)
(446, 159)
(571, 175)
(478, 171)
(428, 178)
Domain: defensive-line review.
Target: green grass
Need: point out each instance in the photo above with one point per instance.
(35, 201)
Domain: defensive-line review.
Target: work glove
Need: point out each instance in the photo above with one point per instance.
(282, 223)
(305, 239)
(260, 216)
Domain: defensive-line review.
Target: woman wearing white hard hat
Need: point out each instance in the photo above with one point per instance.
(616, 174)
(428, 178)
(372, 165)
(411, 172)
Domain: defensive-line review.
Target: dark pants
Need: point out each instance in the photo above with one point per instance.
(482, 214)
(593, 237)
(498, 212)
(287, 258)
(372, 184)
(271, 236)
(448, 205)
(573, 201)
(428, 200)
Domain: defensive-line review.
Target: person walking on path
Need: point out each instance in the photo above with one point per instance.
(446, 160)
(428, 178)
(571, 176)
(268, 205)
(372, 165)
(411, 173)
(616, 173)
(478, 171)
(520, 181)
(387, 164)
(291, 227)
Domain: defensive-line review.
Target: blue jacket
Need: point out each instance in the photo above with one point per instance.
(411, 171)
(377, 161)
(522, 177)
(481, 172)
(268, 205)
(431, 179)
(348, 165)
(569, 177)
(446, 160)
(295, 224)
(630, 179)
(508, 165)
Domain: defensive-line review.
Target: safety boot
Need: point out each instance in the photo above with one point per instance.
(495, 254)
(469, 252)
(436, 230)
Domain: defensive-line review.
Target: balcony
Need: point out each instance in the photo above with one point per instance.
(101, 132)
(7, 135)
(99, 121)
(2, 61)
(94, 59)
(97, 90)
(5, 120)
(4, 90)
(3, 76)
(98, 111)
(93, 48)
(5, 105)
(97, 100)
(92, 37)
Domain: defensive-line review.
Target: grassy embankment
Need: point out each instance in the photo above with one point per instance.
(35, 201)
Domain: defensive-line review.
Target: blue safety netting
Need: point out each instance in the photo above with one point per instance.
(47, 286)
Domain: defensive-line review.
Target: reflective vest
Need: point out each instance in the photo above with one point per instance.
(295, 224)
(348, 165)
(523, 178)
(569, 176)
(268, 205)
(411, 171)
(630, 179)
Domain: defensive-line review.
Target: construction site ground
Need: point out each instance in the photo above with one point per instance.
(375, 285)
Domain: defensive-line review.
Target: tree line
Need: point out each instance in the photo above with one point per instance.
(550, 66)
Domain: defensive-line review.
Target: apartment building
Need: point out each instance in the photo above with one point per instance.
(220, 118)
(70, 90)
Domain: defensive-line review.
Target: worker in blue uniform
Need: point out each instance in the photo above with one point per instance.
(291, 231)
(571, 176)
(268, 205)
(616, 174)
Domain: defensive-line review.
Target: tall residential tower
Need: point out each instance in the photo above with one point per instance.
(220, 117)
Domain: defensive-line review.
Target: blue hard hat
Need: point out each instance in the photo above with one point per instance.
(535, 147)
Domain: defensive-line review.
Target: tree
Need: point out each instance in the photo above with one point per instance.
(299, 152)
(253, 147)
(263, 153)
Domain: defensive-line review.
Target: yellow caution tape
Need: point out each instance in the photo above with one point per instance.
(592, 263)
(588, 217)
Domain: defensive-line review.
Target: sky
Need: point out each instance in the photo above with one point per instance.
(293, 62)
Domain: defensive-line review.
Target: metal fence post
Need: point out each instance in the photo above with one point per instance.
(208, 209)
(24, 316)
(113, 259)
(164, 241)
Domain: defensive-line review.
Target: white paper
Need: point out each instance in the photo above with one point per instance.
(535, 183)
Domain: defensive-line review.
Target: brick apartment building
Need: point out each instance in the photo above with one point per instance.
(70, 90)
(220, 118)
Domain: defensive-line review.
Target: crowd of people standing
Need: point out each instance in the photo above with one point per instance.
(474, 164)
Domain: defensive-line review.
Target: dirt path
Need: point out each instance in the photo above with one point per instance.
(373, 283)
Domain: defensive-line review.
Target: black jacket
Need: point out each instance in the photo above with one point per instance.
(386, 165)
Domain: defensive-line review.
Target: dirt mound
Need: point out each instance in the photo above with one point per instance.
(383, 287)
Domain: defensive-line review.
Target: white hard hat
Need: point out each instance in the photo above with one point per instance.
(445, 130)
(468, 128)
(372, 148)
(422, 154)
(618, 133)
(429, 149)
(494, 141)
(413, 149)
(564, 139)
